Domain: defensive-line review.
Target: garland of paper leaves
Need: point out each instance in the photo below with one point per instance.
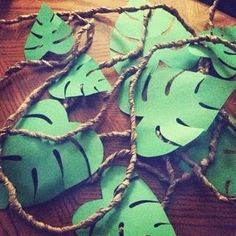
(136, 61)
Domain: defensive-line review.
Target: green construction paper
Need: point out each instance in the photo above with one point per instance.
(221, 173)
(48, 34)
(140, 211)
(79, 82)
(163, 27)
(39, 169)
(180, 104)
(222, 57)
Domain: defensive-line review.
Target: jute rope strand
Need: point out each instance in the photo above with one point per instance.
(137, 72)
(212, 11)
(197, 171)
(103, 10)
(213, 146)
(171, 187)
(100, 115)
(74, 14)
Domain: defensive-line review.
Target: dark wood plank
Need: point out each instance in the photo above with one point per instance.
(193, 210)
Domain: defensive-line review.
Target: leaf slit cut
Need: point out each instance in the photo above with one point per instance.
(39, 22)
(62, 39)
(11, 158)
(95, 88)
(207, 106)
(134, 204)
(229, 152)
(52, 17)
(179, 121)
(121, 228)
(227, 185)
(198, 86)
(145, 88)
(34, 175)
(66, 87)
(59, 161)
(78, 145)
(160, 224)
(226, 64)
(39, 116)
(170, 82)
(165, 140)
(39, 36)
(172, 22)
(35, 47)
(79, 67)
(230, 53)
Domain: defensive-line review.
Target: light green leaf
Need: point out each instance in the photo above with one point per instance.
(81, 80)
(39, 169)
(222, 172)
(222, 57)
(140, 212)
(177, 108)
(163, 27)
(48, 34)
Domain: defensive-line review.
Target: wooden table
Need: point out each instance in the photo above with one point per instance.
(193, 210)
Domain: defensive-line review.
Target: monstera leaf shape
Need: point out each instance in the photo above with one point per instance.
(177, 107)
(82, 80)
(162, 27)
(139, 213)
(48, 34)
(40, 170)
(222, 57)
(222, 172)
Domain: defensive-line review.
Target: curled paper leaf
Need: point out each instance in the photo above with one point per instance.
(221, 173)
(176, 106)
(162, 27)
(222, 57)
(39, 169)
(48, 34)
(82, 80)
(128, 218)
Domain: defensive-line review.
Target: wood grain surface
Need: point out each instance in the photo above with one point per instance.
(193, 211)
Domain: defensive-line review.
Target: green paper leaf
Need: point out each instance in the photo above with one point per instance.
(39, 169)
(163, 27)
(79, 81)
(221, 173)
(131, 212)
(48, 34)
(177, 108)
(222, 57)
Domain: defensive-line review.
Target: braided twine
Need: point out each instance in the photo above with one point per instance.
(86, 27)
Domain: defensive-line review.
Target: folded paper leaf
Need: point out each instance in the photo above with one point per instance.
(221, 173)
(222, 57)
(39, 169)
(82, 80)
(176, 107)
(48, 34)
(162, 27)
(129, 215)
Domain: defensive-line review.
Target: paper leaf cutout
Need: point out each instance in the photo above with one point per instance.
(80, 81)
(48, 34)
(40, 170)
(162, 27)
(222, 57)
(130, 214)
(222, 172)
(177, 108)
